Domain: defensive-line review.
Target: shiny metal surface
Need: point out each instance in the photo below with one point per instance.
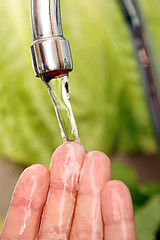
(146, 59)
(50, 52)
(45, 18)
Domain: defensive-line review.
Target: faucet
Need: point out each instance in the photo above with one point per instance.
(145, 57)
(50, 51)
(52, 61)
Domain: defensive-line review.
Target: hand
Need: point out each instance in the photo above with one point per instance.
(46, 204)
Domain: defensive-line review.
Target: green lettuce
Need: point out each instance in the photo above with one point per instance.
(148, 220)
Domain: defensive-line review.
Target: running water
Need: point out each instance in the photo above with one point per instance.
(59, 93)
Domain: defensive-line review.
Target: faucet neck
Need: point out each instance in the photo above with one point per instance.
(45, 18)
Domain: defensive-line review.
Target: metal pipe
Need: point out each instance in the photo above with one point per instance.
(50, 51)
(145, 57)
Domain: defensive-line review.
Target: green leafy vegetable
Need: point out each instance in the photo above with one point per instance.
(1, 223)
(119, 171)
(148, 219)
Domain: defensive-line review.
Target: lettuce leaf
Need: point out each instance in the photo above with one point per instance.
(148, 219)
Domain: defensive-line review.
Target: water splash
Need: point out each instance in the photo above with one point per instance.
(59, 92)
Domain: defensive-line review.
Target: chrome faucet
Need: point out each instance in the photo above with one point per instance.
(51, 59)
(50, 51)
(145, 57)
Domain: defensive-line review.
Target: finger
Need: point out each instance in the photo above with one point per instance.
(64, 175)
(87, 222)
(23, 218)
(117, 212)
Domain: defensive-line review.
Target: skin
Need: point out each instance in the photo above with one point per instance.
(73, 200)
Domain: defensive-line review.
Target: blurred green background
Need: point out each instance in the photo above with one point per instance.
(106, 93)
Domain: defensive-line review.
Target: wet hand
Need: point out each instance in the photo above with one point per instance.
(46, 204)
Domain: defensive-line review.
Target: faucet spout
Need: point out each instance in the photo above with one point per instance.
(50, 51)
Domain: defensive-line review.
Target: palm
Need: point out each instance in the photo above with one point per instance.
(89, 213)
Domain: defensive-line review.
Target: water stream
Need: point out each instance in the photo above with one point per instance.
(59, 92)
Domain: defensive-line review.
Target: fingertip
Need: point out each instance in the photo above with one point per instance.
(115, 191)
(116, 195)
(35, 171)
(72, 150)
(66, 161)
(33, 181)
(115, 185)
(66, 146)
(96, 165)
(99, 158)
(117, 210)
(38, 167)
(35, 168)
(116, 202)
(27, 204)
